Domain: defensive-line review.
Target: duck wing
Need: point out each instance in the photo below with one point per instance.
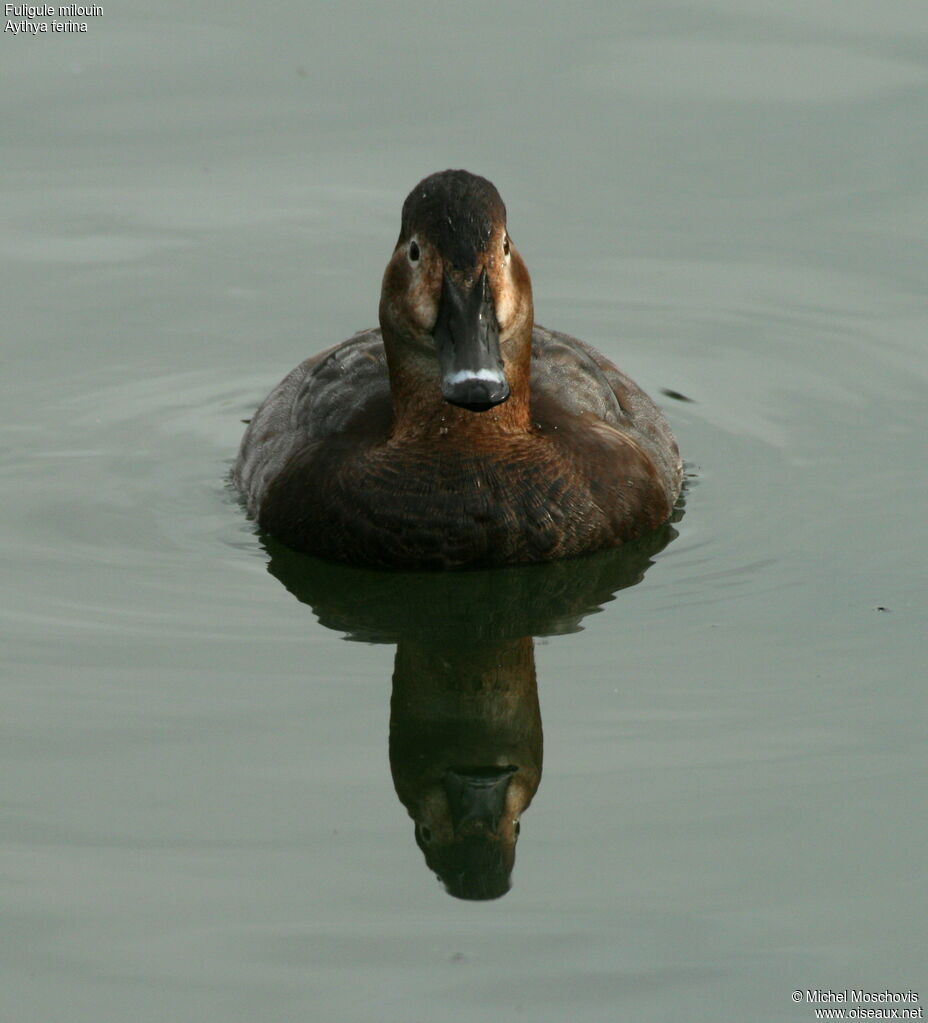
(319, 398)
(571, 376)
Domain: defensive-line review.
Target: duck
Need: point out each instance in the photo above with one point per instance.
(460, 433)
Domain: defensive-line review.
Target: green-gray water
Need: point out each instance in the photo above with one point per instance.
(199, 812)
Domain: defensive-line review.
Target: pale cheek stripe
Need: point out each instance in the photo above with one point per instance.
(475, 374)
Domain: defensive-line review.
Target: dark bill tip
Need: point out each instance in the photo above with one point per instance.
(475, 391)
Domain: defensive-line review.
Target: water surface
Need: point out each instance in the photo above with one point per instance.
(200, 816)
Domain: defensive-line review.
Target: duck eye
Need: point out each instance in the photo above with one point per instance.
(506, 246)
(414, 251)
(425, 832)
(517, 829)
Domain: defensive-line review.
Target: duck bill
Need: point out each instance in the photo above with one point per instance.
(467, 339)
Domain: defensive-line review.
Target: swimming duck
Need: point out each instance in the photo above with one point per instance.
(461, 433)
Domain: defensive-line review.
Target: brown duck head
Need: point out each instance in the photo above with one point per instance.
(456, 304)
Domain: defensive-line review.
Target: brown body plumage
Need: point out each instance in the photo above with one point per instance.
(460, 433)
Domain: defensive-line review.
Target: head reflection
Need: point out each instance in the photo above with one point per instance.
(465, 751)
(465, 724)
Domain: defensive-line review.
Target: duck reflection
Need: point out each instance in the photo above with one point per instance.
(465, 751)
(465, 723)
